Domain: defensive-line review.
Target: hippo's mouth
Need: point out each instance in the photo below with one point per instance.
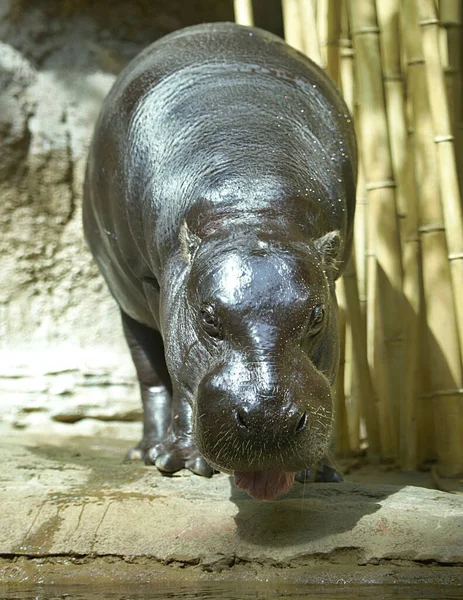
(264, 485)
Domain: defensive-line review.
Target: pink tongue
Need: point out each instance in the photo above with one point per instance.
(264, 485)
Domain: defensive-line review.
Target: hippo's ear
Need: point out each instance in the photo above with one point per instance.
(189, 242)
(328, 246)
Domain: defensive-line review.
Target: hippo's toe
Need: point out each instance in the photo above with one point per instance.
(172, 455)
(325, 471)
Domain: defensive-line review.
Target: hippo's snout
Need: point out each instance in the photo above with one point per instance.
(262, 420)
(296, 422)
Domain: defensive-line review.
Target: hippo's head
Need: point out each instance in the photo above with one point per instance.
(259, 353)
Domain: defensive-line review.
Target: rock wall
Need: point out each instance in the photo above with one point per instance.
(61, 349)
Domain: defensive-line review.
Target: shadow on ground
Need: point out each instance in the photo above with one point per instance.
(305, 513)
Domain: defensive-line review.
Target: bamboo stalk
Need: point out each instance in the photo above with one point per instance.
(309, 30)
(366, 389)
(346, 60)
(388, 414)
(243, 12)
(347, 85)
(386, 17)
(450, 14)
(361, 381)
(431, 235)
(409, 416)
(359, 391)
(292, 24)
(361, 240)
(300, 27)
(360, 258)
(388, 20)
(371, 317)
(460, 125)
(321, 15)
(341, 428)
(442, 352)
(351, 392)
(383, 227)
(333, 18)
(426, 413)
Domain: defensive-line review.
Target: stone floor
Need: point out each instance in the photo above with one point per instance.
(72, 510)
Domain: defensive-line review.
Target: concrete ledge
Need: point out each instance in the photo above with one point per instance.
(77, 504)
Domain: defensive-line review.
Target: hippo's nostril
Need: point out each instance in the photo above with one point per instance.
(302, 423)
(239, 416)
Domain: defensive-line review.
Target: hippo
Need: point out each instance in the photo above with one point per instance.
(218, 205)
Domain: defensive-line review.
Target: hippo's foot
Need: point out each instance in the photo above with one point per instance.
(141, 449)
(325, 471)
(171, 455)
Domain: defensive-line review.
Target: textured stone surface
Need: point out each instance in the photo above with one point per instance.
(75, 498)
(58, 59)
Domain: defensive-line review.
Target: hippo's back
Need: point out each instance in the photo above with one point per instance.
(214, 113)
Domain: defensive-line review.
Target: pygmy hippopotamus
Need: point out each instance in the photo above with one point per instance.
(218, 204)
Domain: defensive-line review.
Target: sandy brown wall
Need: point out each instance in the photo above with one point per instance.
(61, 349)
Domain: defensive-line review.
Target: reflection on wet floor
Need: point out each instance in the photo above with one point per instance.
(232, 591)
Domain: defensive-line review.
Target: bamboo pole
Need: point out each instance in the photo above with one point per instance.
(300, 27)
(321, 15)
(346, 60)
(333, 34)
(341, 428)
(366, 388)
(292, 24)
(360, 392)
(347, 85)
(388, 38)
(360, 257)
(307, 11)
(243, 12)
(460, 125)
(451, 408)
(388, 21)
(360, 377)
(386, 295)
(450, 14)
(388, 414)
(431, 234)
(426, 412)
(409, 416)
(361, 240)
(351, 392)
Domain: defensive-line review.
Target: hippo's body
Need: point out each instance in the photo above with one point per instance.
(219, 202)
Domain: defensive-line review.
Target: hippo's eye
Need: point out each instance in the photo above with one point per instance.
(316, 319)
(210, 321)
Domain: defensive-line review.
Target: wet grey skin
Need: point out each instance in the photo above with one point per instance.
(218, 204)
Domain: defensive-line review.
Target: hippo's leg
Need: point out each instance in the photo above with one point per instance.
(147, 350)
(178, 449)
(325, 471)
(167, 441)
